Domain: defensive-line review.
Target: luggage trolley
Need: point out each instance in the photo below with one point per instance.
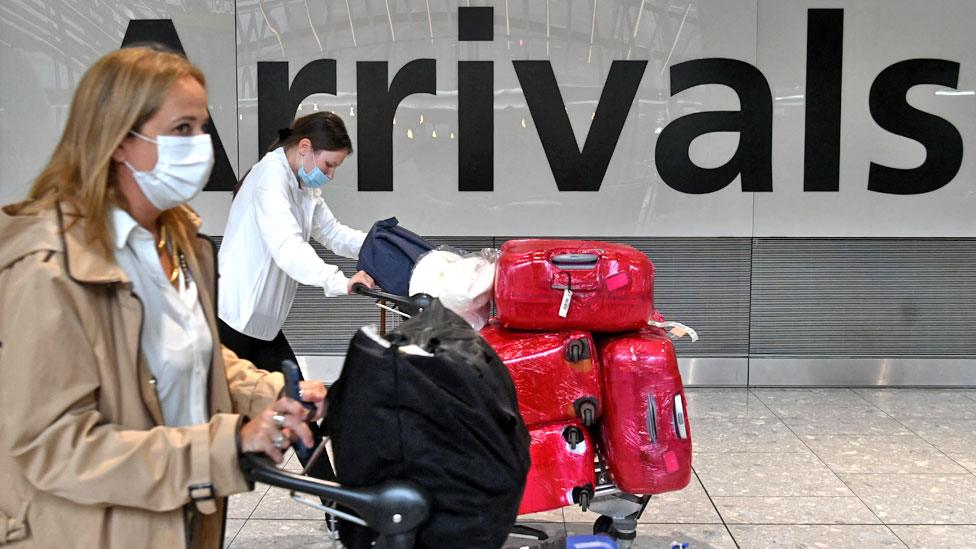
(618, 511)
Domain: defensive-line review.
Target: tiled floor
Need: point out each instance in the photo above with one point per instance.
(773, 468)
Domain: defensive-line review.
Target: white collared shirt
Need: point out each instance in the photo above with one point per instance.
(265, 253)
(175, 338)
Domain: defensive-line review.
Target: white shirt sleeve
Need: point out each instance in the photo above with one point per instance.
(282, 235)
(339, 238)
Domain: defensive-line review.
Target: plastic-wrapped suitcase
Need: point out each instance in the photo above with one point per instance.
(562, 470)
(556, 374)
(573, 284)
(646, 436)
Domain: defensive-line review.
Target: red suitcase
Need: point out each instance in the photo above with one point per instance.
(562, 471)
(646, 436)
(556, 374)
(573, 284)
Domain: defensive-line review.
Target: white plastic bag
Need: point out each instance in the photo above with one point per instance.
(463, 283)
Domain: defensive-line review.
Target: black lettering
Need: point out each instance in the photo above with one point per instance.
(277, 101)
(376, 105)
(821, 150)
(476, 126)
(576, 170)
(890, 109)
(475, 24)
(754, 122)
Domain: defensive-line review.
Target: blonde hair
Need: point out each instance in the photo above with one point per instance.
(119, 93)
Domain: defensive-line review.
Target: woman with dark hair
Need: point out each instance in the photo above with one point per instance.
(265, 252)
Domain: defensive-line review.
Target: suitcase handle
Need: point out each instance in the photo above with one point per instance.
(679, 417)
(651, 418)
(575, 261)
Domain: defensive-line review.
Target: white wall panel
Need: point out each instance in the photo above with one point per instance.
(46, 46)
(876, 35)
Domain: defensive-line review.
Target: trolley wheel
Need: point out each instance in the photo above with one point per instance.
(583, 495)
(602, 525)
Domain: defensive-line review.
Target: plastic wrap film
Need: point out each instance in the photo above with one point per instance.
(560, 470)
(462, 281)
(646, 434)
(556, 374)
(563, 284)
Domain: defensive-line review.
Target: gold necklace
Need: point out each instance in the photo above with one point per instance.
(176, 257)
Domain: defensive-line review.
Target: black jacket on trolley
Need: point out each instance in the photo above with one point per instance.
(448, 421)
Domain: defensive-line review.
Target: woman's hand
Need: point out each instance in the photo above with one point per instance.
(360, 278)
(314, 392)
(271, 432)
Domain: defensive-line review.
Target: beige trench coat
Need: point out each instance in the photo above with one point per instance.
(85, 460)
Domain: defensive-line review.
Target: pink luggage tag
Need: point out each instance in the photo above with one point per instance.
(617, 280)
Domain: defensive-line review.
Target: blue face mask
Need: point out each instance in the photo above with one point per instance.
(314, 180)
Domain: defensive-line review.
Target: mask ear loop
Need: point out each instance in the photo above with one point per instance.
(301, 166)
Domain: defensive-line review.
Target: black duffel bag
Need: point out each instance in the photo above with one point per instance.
(432, 403)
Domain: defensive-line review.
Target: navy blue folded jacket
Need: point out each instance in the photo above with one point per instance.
(389, 254)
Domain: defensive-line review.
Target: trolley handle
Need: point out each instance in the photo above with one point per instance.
(394, 508)
(410, 305)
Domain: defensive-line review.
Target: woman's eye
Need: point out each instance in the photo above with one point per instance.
(184, 129)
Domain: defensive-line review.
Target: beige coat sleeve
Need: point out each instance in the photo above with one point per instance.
(52, 373)
(251, 389)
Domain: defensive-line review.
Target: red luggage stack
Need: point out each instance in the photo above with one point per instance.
(562, 467)
(573, 284)
(556, 374)
(550, 295)
(645, 428)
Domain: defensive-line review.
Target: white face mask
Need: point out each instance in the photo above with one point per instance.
(182, 168)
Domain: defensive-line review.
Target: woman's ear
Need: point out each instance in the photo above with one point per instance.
(120, 153)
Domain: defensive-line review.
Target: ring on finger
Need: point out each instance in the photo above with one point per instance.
(279, 420)
(278, 441)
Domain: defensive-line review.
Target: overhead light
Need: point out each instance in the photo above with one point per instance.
(523, 122)
(421, 118)
(315, 107)
(394, 121)
(452, 135)
(299, 107)
(352, 112)
(433, 134)
(409, 133)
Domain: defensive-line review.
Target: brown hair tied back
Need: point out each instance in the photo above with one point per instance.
(325, 130)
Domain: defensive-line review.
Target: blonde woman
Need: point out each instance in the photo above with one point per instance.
(123, 416)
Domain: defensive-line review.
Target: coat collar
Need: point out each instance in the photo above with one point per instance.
(83, 263)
